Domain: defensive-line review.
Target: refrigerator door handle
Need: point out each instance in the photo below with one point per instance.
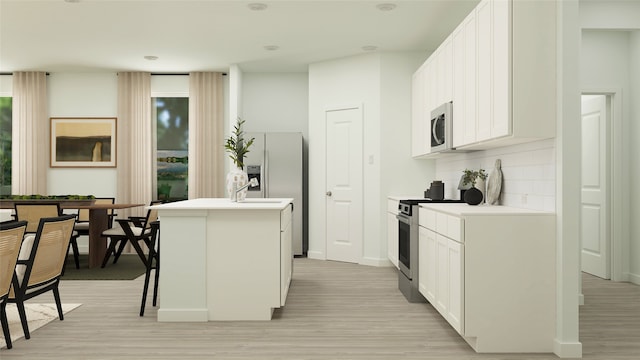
(266, 173)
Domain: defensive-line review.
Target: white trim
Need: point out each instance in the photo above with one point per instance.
(378, 262)
(567, 350)
(634, 278)
(317, 255)
(581, 299)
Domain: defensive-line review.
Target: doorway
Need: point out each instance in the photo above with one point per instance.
(603, 219)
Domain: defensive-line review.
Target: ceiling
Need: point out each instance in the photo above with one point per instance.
(211, 35)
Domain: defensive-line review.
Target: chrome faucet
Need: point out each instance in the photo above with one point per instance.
(253, 183)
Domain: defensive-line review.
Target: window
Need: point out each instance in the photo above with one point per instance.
(172, 119)
(5, 145)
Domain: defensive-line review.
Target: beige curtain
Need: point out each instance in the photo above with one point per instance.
(134, 141)
(206, 150)
(30, 134)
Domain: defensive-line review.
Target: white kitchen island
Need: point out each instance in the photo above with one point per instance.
(223, 260)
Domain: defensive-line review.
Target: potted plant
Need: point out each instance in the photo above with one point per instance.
(237, 148)
(473, 196)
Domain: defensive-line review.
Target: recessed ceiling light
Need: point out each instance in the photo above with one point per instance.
(72, 1)
(369, 48)
(151, 57)
(257, 6)
(386, 6)
(271, 47)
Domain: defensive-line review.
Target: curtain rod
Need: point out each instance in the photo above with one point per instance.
(10, 73)
(181, 74)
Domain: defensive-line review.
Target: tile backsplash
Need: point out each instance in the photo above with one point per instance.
(528, 173)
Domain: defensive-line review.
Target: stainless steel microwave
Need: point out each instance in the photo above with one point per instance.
(441, 127)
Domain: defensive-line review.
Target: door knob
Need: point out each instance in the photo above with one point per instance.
(329, 193)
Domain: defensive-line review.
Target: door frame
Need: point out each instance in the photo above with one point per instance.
(618, 184)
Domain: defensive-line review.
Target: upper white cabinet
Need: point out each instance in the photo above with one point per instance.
(432, 87)
(420, 144)
(501, 76)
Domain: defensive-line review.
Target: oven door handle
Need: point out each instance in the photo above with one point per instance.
(404, 219)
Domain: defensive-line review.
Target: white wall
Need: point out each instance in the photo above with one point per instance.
(381, 83)
(82, 95)
(276, 102)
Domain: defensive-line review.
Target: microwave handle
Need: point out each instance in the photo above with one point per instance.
(434, 133)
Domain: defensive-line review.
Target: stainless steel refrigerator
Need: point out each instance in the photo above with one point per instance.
(275, 159)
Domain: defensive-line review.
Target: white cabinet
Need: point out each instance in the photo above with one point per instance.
(392, 231)
(420, 145)
(441, 264)
(432, 87)
(504, 82)
(490, 272)
(499, 69)
(286, 253)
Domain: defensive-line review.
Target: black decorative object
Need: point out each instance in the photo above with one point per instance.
(473, 196)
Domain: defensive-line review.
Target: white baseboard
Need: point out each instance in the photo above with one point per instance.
(376, 262)
(634, 278)
(317, 255)
(567, 350)
(581, 299)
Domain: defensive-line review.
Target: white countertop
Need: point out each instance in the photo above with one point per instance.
(460, 209)
(226, 204)
(404, 197)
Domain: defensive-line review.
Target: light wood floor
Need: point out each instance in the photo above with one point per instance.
(334, 311)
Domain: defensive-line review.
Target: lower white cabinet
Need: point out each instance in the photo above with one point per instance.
(441, 277)
(392, 231)
(490, 272)
(286, 253)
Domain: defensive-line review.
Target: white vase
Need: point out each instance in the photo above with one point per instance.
(481, 185)
(240, 178)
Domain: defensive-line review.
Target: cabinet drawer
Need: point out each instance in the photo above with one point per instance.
(392, 206)
(427, 218)
(285, 218)
(449, 226)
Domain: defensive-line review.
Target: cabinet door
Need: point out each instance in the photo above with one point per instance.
(428, 265)
(485, 70)
(455, 310)
(392, 238)
(442, 275)
(419, 146)
(501, 81)
(286, 255)
(458, 90)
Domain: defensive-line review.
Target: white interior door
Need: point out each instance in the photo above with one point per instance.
(344, 184)
(595, 230)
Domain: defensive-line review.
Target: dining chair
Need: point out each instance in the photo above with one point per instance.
(11, 234)
(82, 220)
(153, 263)
(131, 230)
(40, 264)
(32, 212)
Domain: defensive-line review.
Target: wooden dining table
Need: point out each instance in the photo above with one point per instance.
(98, 222)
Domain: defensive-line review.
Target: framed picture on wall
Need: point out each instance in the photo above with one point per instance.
(83, 142)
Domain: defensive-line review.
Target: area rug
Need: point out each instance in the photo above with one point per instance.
(38, 315)
(128, 267)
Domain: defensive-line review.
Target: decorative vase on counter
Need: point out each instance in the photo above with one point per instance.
(473, 196)
(240, 178)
